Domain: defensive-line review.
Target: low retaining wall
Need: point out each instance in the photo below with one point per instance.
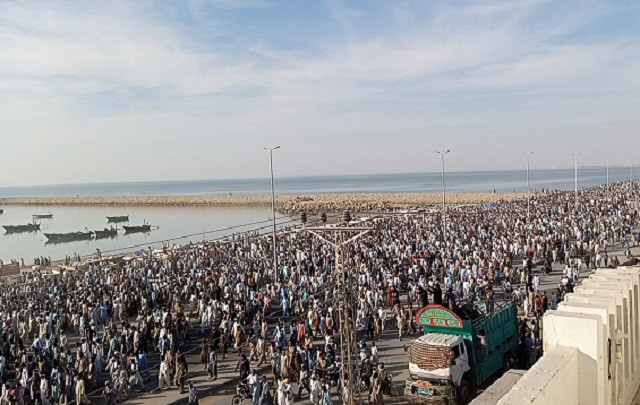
(591, 343)
(552, 380)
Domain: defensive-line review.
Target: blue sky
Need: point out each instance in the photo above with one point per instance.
(144, 90)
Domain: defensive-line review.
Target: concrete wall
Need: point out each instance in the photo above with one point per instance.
(553, 379)
(577, 330)
(591, 345)
(499, 388)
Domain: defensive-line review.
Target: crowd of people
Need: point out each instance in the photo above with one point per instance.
(108, 330)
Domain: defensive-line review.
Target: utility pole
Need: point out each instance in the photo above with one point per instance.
(444, 204)
(345, 300)
(273, 215)
(528, 188)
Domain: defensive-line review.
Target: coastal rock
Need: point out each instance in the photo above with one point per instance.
(313, 204)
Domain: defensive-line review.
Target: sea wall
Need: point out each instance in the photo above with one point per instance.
(311, 203)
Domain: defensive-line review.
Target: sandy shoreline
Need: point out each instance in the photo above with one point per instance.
(312, 203)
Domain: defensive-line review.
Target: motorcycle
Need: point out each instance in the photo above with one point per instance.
(242, 393)
(386, 385)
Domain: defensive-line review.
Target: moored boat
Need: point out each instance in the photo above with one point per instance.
(72, 267)
(121, 218)
(1, 211)
(41, 216)
(68, 237)
(106, 233)
(137, 228)
(21, 228)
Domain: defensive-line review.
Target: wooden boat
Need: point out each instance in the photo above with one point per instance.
(21, 228)
(106, 233)
(68, 237)
(73, 266)
(39, 216)
(121, 218)
(137, 228)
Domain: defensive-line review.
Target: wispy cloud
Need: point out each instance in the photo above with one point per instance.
(210, 78)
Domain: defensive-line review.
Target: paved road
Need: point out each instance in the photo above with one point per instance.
(394, 356)
(390, 352)
(221, 390)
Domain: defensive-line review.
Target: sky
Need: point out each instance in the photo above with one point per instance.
(186, 90)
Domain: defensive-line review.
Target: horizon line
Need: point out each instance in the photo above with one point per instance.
(304, 177)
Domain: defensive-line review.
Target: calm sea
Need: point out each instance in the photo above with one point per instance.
(179, 225)
(374, 183)
(188, 224)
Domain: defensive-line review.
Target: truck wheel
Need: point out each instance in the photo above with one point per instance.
(507, 362)
(463, 393)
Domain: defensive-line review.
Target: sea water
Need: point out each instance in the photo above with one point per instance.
(188, 224)
(485, 181)
(170, 225)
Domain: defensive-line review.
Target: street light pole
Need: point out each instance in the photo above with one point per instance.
(630, 181)
(528, 188)
(632, 189)
(444, 202)
(575, 155)
(273, 214)
(606, 194)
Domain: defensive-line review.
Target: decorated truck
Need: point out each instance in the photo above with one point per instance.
(459, 351)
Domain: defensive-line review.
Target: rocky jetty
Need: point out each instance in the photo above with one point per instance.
(381, 202)
(312, 203)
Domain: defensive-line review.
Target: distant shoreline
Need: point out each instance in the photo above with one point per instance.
(332, 202)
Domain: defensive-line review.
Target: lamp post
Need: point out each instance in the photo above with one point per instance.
(630, 180)
(528, 154)
(575, 155)
(632, 189)
(444, 202)
(273, 214)
(606, 194)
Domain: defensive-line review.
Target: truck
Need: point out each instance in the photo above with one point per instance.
(458, 351)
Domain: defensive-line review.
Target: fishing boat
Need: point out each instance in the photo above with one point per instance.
(71, 267)
(137, 228)
(22, 228)
(68, 237)
(106, 233)
(121, 218)
(40, 216)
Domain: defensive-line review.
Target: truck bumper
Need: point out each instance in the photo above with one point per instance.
(420, 389)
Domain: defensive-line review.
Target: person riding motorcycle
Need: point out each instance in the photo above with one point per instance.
(384, 377)
(364, 350)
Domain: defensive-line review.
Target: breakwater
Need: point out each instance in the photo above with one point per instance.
(312, 203)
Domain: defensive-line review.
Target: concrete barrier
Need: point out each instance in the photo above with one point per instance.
(553, 380)
(591, 345)
(499, 388)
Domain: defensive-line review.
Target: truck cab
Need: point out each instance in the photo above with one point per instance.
(439, 358)
(459, 350)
